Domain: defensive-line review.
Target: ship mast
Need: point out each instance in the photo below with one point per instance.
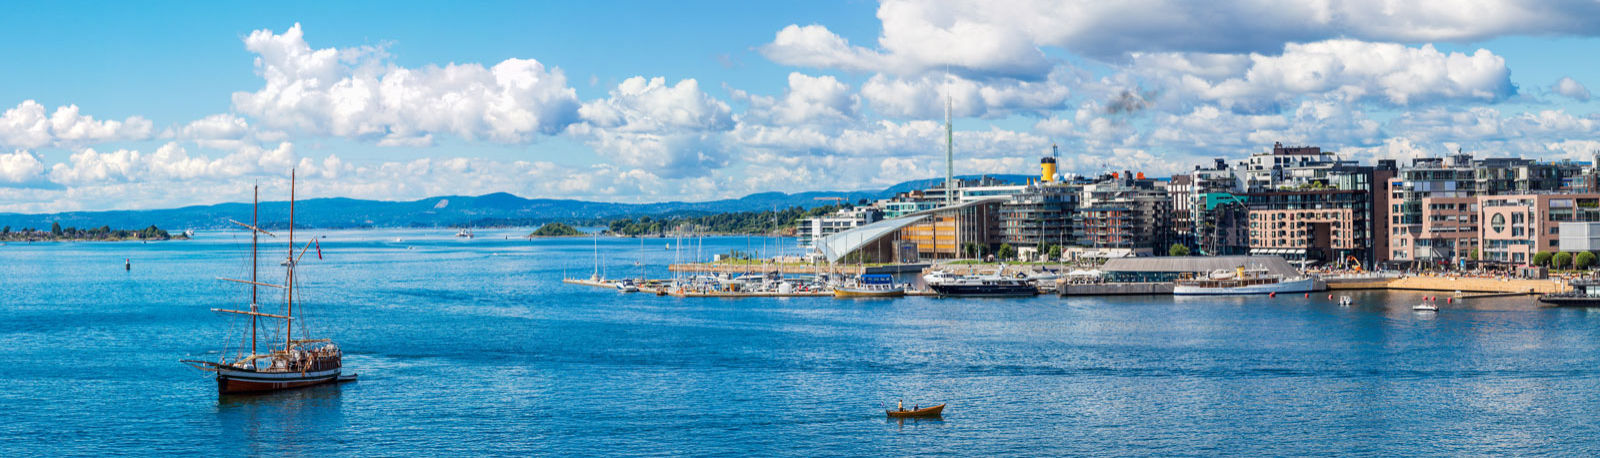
(288, 323)
(255, 220)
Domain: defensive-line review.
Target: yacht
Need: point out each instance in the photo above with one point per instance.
(982, 285)
(1242, 281)
(870, 285)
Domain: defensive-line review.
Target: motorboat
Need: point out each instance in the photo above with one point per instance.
(984, 285)
(1584, 293)
(1256, 280)
(870, 285)
(1425, 307)
(1345, 301)
(627, 286)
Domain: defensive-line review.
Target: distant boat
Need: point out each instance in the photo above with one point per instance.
(872, 285)
(464, 232)
(917, 413)
(299, 362)
(1426, 306)
(627, 286)
(1345, 301)
(1242, 281)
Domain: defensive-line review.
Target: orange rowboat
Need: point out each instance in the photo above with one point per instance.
(923, 412)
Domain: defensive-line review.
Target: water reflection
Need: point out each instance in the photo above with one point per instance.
(281, 421)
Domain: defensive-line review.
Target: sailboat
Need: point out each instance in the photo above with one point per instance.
(298, 362)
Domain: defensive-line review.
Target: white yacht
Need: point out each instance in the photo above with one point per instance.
(1242, 281)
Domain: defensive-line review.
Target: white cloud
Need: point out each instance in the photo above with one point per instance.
(358, 93)
(924, 97)
(1355, 71)
(28, 126)
(1004, 38)
(19, 168)
(808, 100)
(671, 130)
(1571, 88)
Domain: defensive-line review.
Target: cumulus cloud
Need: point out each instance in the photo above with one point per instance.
(28, 126)
(1571, 88)
(19, 168)
(1005, 38)
(924, 96)
(673, 130)
(359, 93)
(807, 100)
(1355, 71)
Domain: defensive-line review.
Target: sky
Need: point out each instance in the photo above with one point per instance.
(108, 106)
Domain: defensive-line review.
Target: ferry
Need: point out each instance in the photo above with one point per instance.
(1584, 293)
(871, 285)
(298, 362)
(989, 285)
(1242, 281)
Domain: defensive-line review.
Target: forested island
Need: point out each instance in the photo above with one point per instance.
(555, 230)
(757, 222)
(73, 234)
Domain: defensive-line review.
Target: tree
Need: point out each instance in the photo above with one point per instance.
(1584, 260)
(55, 229)
(1542, 259)
(971, 249)
(1563, 260)
(1178, 249)
(6, 230)
(1055, 252)
(1473, 255)
(1005, 252)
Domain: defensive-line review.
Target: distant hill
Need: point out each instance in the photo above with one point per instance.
(444, 211)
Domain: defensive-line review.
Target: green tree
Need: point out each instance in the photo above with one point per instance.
(1542, 259)
(55, 229)
(6, 230)
(1005, 252)
(1473, 255)
(971, 249)
(1563, 260)
(1584, 260)
(1178, 249)
(1055, 252)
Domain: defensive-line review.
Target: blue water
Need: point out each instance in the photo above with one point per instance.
(477, 347)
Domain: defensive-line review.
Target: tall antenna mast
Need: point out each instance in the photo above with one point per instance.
(949, 151)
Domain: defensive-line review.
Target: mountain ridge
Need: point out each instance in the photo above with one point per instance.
(443, 211)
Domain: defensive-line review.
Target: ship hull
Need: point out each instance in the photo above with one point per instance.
(1304, 285)
(1570, 301)
(239, 381)
(985, 290)
(852, 292)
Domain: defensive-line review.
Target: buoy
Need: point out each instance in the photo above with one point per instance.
(1308, 295)
(1272, 294)
(1330, 296)
(127, 264)
(1449, 300)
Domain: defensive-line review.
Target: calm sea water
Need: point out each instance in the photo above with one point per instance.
(477, 347)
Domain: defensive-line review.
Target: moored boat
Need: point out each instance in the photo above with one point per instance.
(1242, 281)
(990, 285)
(1584, 293)
(870, 285)
(298, 362)
(917, 413)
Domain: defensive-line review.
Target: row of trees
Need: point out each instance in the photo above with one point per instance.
(72, 233)
(1564, 260)
(756, 222)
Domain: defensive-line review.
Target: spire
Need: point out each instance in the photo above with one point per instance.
(949, 154)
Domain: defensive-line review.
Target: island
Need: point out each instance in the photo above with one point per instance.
(73, 234)
(555, 230)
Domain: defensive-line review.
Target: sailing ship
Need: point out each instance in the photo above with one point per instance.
(297, 362)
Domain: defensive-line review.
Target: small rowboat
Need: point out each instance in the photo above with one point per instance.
(923, 412)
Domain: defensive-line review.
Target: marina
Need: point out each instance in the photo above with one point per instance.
(505, 341)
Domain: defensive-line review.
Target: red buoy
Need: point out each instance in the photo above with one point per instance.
(1449, 300)
(1272, 294)
(1330, 296)
(1308, 295)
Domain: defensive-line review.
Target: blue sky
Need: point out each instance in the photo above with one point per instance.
(186, 103)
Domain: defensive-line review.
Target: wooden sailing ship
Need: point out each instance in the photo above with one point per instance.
(297, 362)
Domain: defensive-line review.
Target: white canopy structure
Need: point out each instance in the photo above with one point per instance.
(835, 247)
